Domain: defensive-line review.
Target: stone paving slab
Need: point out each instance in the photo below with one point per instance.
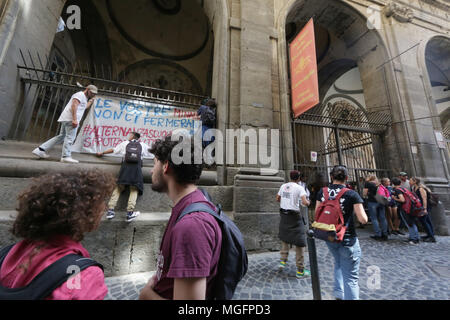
(406, 272)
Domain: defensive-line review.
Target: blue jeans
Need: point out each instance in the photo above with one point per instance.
(66, 136)
(410, 222)
(346, 269)
(378, 217)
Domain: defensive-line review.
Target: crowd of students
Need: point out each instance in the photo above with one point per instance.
(335, 206)
(387, 207)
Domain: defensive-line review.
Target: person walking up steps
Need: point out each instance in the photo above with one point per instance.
(292, 230)
(70, 119)
(130, 174)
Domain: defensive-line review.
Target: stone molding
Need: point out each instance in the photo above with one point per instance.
(401, 13)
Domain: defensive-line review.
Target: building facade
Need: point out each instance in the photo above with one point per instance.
(384, 70)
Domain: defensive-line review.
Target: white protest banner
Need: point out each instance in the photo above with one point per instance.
(110, 120)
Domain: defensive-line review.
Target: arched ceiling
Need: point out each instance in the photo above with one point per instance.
(338, 18)
(437, 57)
(171, 29)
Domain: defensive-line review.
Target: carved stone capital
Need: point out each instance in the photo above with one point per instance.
(400, 13)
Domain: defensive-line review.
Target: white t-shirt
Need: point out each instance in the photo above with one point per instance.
(406, 185)
(122, 149)
(66, 115)
(291, 195)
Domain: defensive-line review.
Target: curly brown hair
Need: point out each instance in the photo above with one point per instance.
(62, 204)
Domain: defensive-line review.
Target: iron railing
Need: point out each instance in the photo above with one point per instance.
(48, 88)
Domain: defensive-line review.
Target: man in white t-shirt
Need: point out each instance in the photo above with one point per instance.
(405, 181)
(292, 230)
(130, 174)
(69, 119)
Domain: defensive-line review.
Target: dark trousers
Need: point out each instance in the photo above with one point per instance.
(427, 224)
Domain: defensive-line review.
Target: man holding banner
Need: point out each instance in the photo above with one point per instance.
(70, 118)
(130, 173)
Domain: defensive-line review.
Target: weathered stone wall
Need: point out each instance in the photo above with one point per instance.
(26, 25)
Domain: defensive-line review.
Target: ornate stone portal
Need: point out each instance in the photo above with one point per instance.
(399, 12)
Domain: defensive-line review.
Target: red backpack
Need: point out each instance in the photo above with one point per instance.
(412, 204)
(329, 220)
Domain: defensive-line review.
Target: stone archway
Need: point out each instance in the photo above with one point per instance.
(353, 44)
(434, 60)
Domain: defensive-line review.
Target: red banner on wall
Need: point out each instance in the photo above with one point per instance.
(304, 77)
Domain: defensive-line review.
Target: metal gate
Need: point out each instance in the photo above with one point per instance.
(48, 87)
(340, 133)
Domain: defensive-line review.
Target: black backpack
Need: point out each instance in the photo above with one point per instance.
(133, 152)
(233, 262)
(48, 280)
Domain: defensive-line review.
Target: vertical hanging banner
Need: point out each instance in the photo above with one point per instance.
(110, 120)
(304, 77)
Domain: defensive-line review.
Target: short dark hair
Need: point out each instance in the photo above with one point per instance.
(185, 173)
(396, 181)
(136, 135)
(62, 204)
(295, 175)
(211, 103)
(339, 173)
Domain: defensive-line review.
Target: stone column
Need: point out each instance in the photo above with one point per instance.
(413, 118)
(26, 25)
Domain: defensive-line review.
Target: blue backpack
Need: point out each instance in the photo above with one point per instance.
(233, 262)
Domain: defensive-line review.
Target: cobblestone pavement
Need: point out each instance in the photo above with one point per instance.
(406, 272)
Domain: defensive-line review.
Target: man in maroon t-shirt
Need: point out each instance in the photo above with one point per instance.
(190, 248)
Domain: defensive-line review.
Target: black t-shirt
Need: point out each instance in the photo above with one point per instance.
(396, 192)
(348, 200)
(372, 191)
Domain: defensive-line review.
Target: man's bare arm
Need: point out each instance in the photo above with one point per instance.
(360, 213)
(189, 289)
(75, 104)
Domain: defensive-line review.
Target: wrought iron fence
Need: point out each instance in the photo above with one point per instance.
(319, 174)
(48, 87)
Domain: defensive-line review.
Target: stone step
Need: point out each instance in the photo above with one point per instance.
(17, 161)
(150, 201)
(126, 248)
(122, 248)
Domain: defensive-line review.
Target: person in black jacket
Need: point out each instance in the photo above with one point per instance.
(130, 175)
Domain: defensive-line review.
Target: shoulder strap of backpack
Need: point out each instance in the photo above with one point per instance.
(338, 197)
(4, 252)
(198, 207)
(341, 193)
(50, 278)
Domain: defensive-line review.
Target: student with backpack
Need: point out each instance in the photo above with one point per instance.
(202, 254)
(335, 206)
(130, 174)
(404, 198)
(423, 193)
(54, 214)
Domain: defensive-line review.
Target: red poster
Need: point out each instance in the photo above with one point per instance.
(304, 77)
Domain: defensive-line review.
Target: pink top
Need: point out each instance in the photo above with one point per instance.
(28, 258)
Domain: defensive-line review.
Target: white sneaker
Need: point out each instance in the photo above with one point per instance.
(69, 160)
(40, 154)
(132, 215)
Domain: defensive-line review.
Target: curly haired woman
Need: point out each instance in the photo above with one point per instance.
(54, 214)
